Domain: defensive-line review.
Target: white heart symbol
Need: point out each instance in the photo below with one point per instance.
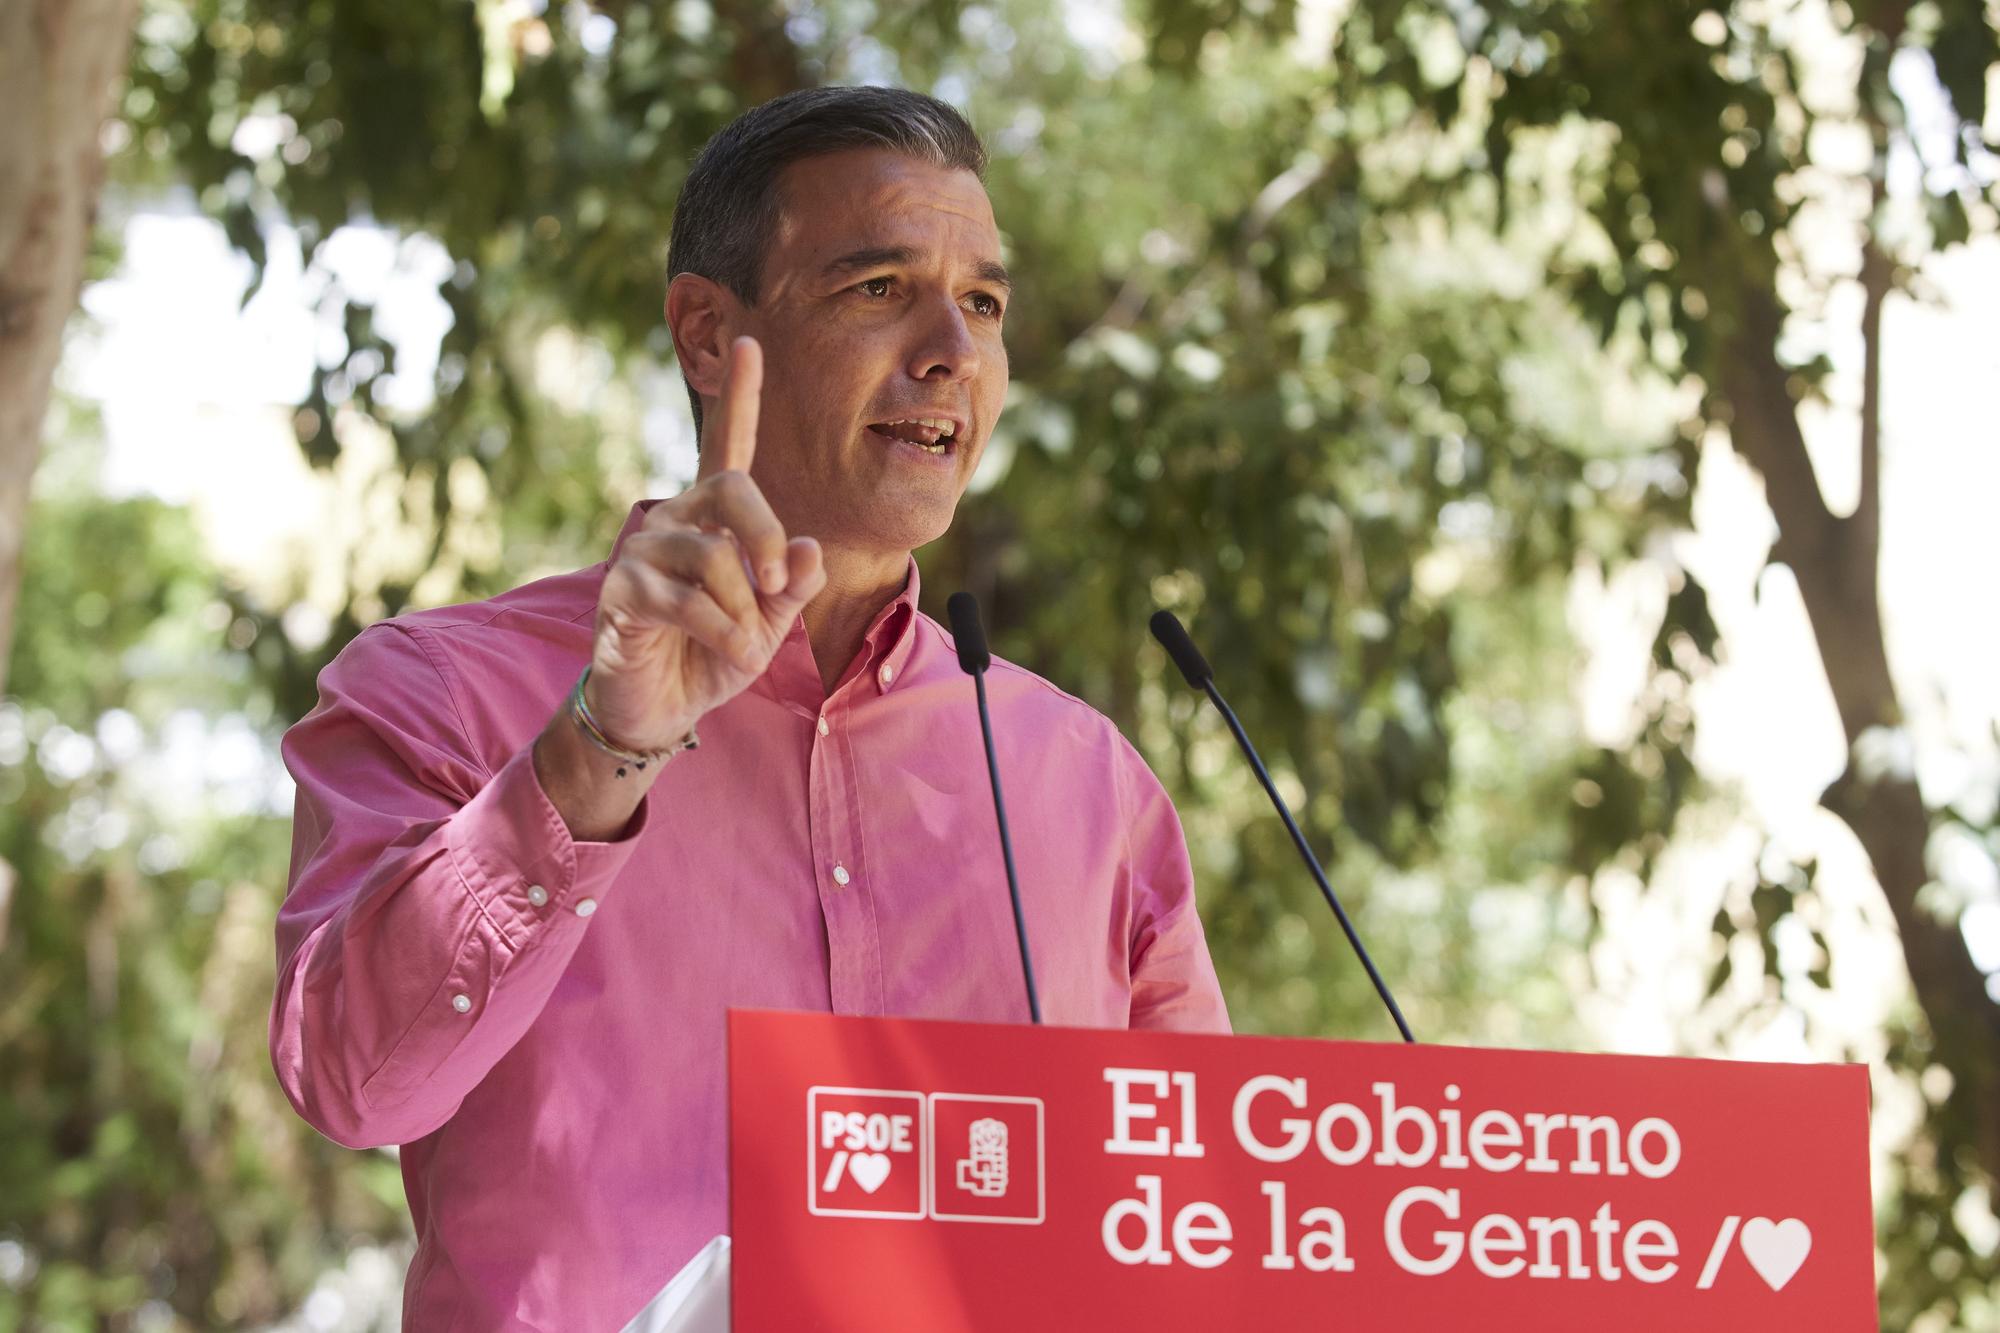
(1776, 1249)
(869, 1170)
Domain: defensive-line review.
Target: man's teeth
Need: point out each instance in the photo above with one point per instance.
(931, 434)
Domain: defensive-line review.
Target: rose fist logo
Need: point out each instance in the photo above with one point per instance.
(986, 1158)
(983, 1170)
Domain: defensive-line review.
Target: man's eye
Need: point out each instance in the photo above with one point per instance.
(992, 306)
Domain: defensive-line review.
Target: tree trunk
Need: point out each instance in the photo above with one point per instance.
(59, 62)
(1836, 561)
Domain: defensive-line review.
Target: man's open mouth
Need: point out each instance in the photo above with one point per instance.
(932, 435)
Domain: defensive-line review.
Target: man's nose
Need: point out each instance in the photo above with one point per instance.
(947, 343)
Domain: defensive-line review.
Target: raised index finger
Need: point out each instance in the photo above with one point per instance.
(735, 440)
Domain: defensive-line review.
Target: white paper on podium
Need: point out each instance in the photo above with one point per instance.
(695, 1300)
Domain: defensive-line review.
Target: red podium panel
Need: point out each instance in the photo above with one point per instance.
(890, 1174)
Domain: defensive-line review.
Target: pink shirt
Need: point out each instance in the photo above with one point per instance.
(539, 1022)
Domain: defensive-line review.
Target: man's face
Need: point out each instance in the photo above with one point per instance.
(855, 343)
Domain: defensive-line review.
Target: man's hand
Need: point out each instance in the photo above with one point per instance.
(683, 624)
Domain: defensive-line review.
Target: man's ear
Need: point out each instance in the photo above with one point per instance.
(699, 315)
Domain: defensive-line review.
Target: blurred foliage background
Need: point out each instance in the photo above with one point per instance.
(1358, 334)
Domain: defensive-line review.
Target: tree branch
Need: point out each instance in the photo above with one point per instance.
(1837, 561)
(1875, 282)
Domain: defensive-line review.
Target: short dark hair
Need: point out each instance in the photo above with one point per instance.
(727, 212)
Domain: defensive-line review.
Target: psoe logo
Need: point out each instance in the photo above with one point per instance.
(865, 1152)
(948, 1156)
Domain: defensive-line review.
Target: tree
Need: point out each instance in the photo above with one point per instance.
(147, 1157)
(59, 64)
(1703, 124)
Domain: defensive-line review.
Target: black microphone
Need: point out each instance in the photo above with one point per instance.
(963, 611)
(1168, 630)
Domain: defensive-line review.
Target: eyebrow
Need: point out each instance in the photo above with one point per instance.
(986, 270)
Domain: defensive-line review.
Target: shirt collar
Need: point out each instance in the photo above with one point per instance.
(890, 639)
(893, 635)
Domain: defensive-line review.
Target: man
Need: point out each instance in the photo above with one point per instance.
(524, 894)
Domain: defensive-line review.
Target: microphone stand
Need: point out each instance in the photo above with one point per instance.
(970, 636)
(1174, 638)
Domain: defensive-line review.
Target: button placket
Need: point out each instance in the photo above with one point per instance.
(841, 879)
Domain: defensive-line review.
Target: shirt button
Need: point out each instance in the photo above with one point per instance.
(537, 894)
(586, 907)
(888, 673)
(840, 875)
(461, 1002)
(823, 728)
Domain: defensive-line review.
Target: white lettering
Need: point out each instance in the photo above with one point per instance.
(1495, 1129)
(1293, 1090)
(1450, 1243)
(1392, 1152)
(1497, 1243)
(1547, 1227)
(858, 1131)
(1512, 1241)
(1323, 1134)
(1543, 1126)
(1322, 1245)
(1147, 1209)
(1279, 1255)
(1188, 1145)
(1201, 1222)
(1196, 1224)
(1638, 1250)
(1124, 1111)
(1454, 1158)
(1670, 1142)
(1585, 1164)
(1604, 1227)
(1389, 1131)
(1321, 1251)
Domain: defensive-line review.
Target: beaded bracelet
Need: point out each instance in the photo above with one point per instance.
(580, 711)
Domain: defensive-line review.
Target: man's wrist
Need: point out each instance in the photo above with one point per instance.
(629, 759)
(583, 783)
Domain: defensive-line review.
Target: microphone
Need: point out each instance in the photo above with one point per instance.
(1174, 638)
(970, 636)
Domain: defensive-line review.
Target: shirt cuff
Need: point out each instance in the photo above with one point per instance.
(517, 858)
